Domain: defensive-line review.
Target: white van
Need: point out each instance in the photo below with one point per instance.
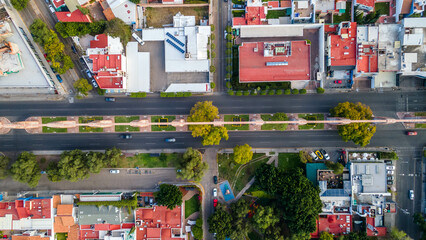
(52, 9)
(137, 38)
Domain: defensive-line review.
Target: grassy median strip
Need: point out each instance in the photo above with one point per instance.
(158, 128)
(46, 120)
(237, 118)
(268, 117)
(87, 120)
(312, 117)
(146, 160)
(54, 130)
(126, 119)
(192, 206)
(52, 119)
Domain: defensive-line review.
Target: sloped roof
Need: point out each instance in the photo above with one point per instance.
(75, 16)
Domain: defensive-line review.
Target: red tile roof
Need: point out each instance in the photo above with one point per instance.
(406, 6)
(253, 63)
(34, 209)
(334, 224)
(367, 60)
(368, 3)
(343, 46)
(58, 3)
(254, 15)
(238, 21)
(76, 16)
(274, 4)
(330, 28)
(380, 231)
(107, 62)
(108, 80)
(157, 222)
(100, 41)
(286, 4)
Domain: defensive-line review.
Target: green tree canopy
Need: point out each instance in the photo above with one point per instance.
(197, 229)
(336, 167)
(419, 220)
(240, 223)
(83, 86)
(396, 234)
(326, 236)
(206, 112)
(4, 163)
(362, 235)
(73, 165)
(117, 28)
(169, 196)
(220, 222)
(242, 154)
(265, 217)
(112, 157)
(359, 133)
(53, 172)
(26, 169)
(191, 165)
(19, 4)
(95, 161)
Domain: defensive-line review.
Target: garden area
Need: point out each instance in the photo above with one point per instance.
(126, 119)
(346, 16)
(146, 160)
(236, 118)
(192, 205)
(312, 117)
(238, 13)
(87, 120)
(162, 119)
(157, 17)
(382, 7)
(61, 236)
(46, 120)
(278, 13)
(270, 117)
(289, 161)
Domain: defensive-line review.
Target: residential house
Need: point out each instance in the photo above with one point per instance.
(75, 16)
(341, 47)
(413, 42)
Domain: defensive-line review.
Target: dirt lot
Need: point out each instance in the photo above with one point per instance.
(157, 17)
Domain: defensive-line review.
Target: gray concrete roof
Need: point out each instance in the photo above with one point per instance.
(88, 214)
(373, 177)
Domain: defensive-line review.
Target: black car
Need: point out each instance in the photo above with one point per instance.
(215, 179)
(73, 49)
(390, 182)
(126, 136)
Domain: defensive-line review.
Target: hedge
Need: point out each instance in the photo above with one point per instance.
(302, 91)
(138, 94)
(287, 92)
(231, 93)
(295, 91)
(271, 92)
(263, 92)
(388, 155)
(246, 93)
(178, 94)
(239, 93)
(131, 203)
(320, 90)
(279, 92)
(212, 85)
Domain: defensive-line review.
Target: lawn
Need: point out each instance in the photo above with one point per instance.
(157, 17)
(192, 205)
(312, 117)
(54, 130)
(61, 236)
(228, 168)
(420, 125)
(345, 16)
(289, 161)
(383, 7)
(146, 160)
(238, 13)
(276, 14)
(420, 114)
(247, 173)
(157, 128)
(195, 1)
(232, 118)
(126, 128)
(52, 119)
(87, 120)
(268, 117)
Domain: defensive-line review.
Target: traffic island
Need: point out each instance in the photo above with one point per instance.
(162, 119)
(89, 129)
(237, 126)
(126, 119)
(3, 123)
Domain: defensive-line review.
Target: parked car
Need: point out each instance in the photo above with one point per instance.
(95, 85)
(52, 9)
(388, 162)
(126, 136)
(318, 153)
(226, 0)
(138, 39)
(391, 167)
(73, 49)
(170, 140)
(214, 192)
(114, 171)
(315, 157)
(338, 81)
(215, 179)
(109, 99)
(59, 78)
(390, 172)
(390, 182)
(89, 74)
(215, 202)
(325, 154)
(411, 194)
(238, 6)
(411, 133)
(224, 34)
(82, 61)
(390, 178)
(45, 56)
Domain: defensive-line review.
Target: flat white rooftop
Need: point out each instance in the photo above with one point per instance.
(138, 69)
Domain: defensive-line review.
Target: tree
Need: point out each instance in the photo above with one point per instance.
(73, 165)
(53, 172)
(117, 28)
(26, 169)
(197, 229)
(359, 133)
(191, 165)
(212, 69)
(206, 112)
(419, 220)
(304, 157)
(169, 196)
(83, 86)
(295, 91)
(112, 157)
(264, 217)
(19, 4)
(336, 167)
(220, 222)
(95, 161)
(356, 236)
(4, 163)
(41, 33)
(242, 154)
(396, 234)
(240, 223)
(326, 236)
(302, 91)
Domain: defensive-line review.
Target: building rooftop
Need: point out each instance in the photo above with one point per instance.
(76, 16)
(342, 46)
(389, 47)
(373, 230)
(274, 61)
(253, 16)
(58, 3)
(334, 224)
(123, 9)
(367, 4)
(274, 4)
(91, 214)
(368, 177)
(159, 223)
(26, 214)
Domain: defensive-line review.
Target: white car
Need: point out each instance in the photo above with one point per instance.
(224, 34)
(138, 39)
(114, 171)
(52, 9)
(392, 167)
(411, 194)
(390, 172)
(214, 192)
(314, 156)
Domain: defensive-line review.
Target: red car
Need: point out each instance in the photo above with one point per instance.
(45, 55)
(411, 133)
(338, 81)
(214, 202)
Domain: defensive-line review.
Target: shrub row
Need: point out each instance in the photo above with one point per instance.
(138, 94)
(266, 92)
(131, 203)
(178, 94)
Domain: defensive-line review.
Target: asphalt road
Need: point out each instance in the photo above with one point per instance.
(382, 104)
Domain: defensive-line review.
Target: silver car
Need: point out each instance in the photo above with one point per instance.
(114, 171)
